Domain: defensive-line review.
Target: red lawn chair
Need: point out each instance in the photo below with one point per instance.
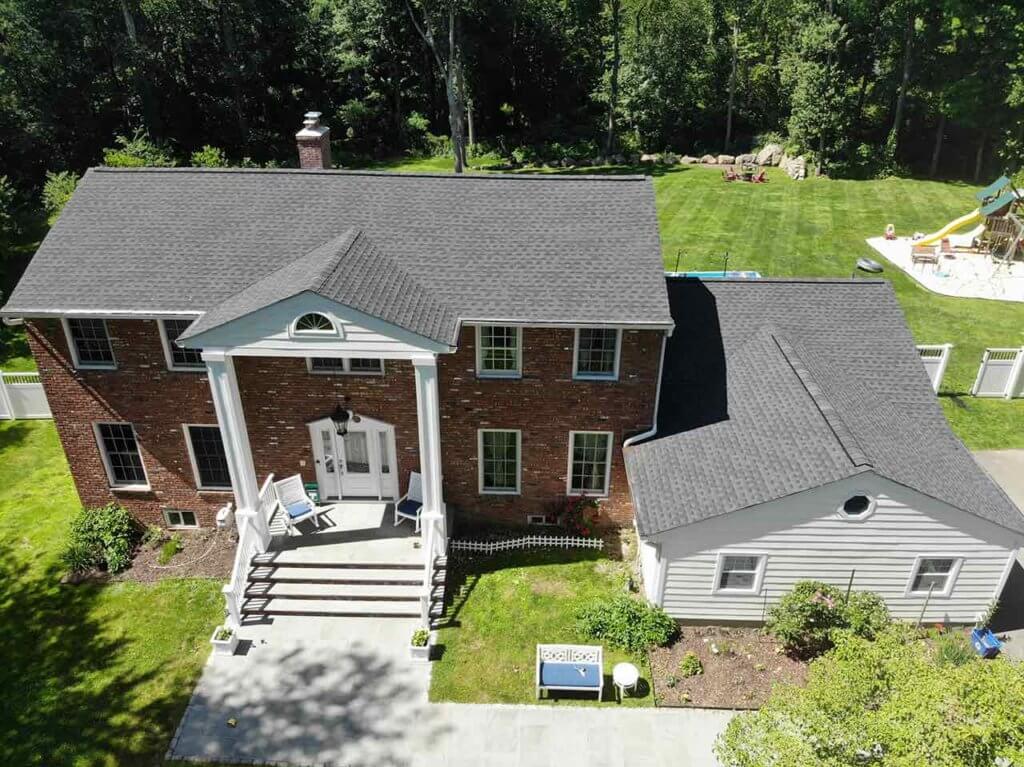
(760, 178)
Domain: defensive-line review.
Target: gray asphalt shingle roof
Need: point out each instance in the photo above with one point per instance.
(489, 247)
(351, 270)
(772, 387)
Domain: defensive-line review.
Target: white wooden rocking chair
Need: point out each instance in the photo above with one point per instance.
(410, 505)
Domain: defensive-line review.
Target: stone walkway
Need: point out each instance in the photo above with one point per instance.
(341, 693)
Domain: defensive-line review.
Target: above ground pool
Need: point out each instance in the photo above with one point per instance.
(719, 275)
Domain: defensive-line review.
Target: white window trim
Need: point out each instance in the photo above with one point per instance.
(614, 375)
(480, 462)
(872, 505)
(569, 490)
(334, 332)
(166, 340)
(762, 563)
(171, 526)
(136, 488)
(958, 561)
(195, 466)
(517, 373)
(347, 363)
(73, 348)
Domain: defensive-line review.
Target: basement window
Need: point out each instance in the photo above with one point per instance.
(179, 518)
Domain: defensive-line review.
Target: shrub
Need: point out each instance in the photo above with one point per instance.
(627, 623)
(806, 619)
(953, 649)
(886, 701)
(224, 633)
(209, 157)
(57, 191)
(171, 547)
(101, 537)
(152, 536)
(137, 152)
(578, 514)
(690, 665)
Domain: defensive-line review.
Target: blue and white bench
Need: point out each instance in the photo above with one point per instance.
(570, 667)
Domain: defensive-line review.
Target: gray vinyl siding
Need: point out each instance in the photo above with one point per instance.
(804, 538)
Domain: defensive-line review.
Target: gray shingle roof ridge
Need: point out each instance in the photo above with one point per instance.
(476, 176)
(844, 434)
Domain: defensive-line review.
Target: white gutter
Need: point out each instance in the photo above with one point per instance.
(112, 314)
(13, 321)
(657, 400)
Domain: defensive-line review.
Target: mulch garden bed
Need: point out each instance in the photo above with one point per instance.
(740, 665)
(205, 553)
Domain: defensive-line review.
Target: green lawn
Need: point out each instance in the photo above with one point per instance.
(817, 228)
(92, 674)
(503, 606)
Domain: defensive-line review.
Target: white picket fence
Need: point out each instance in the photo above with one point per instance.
(22, 396)
(1001, 374)
(936, 359)
(527, 542)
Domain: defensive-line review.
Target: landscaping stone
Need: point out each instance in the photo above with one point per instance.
(670, 158)
(770, 154)
(708, 159)
(726, 159)
(687, 159)
(650, 158)
(745, 159)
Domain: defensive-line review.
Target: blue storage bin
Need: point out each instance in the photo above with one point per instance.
(986, 644)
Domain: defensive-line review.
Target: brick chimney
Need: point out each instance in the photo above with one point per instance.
(314, 142)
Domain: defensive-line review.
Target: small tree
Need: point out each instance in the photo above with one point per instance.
(57, 191)
(139, 151)
(209, 157)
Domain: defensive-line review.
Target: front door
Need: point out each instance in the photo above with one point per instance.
(360, 464)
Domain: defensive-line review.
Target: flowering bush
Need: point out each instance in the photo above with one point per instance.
(578, 515)
(806, 618)
(626, 622)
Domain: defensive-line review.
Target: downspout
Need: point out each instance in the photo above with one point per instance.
(657, 399)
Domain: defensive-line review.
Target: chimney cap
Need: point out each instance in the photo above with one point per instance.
(311, 127)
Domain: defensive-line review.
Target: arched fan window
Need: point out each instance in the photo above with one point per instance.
(314, 323)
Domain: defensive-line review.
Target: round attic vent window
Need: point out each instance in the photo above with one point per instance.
(314, 323)
(857, 506)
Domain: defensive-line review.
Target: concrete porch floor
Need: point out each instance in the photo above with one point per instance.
(351, 531)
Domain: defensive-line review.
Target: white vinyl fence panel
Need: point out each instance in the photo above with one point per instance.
(936, 359)
(22, 396)
(1001, 374)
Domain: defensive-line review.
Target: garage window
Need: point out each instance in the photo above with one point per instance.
(935, 575)
(739, 573)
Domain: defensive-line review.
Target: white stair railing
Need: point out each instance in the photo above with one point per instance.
(253, 539)
(435, 544)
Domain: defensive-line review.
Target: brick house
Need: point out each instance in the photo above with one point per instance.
(513, 340)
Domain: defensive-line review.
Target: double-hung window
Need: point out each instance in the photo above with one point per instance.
(590, 458)
(347, 365)
(597, 353)
(209, 461)
(178, 357)
(90, 343)
(121, 456)
(499, 352)
(935, 575)
(499, 453)
(739, 573)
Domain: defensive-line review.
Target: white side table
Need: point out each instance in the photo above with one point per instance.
(625, 677)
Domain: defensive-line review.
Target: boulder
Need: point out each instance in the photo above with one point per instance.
(726, 159)
(670, 158)
(619, 159)
(770, 154)
(688, 160)
(745, 159)
(598, 161)
(708, 159)
(650, 158)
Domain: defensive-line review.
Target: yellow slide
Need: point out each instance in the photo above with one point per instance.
(971, 218)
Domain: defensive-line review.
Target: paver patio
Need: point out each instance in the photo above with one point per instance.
(341, 692)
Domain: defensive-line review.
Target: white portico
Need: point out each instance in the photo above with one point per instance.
(311, 326)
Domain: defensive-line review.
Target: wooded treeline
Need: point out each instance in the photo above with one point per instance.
(864, 86)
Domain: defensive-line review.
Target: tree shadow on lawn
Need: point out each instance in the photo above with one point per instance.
(13, 434)
(62, 702)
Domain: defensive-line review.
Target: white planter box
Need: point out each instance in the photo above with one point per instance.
(224, 646)
(422, 654)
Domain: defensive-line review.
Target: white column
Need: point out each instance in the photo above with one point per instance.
(231, 419)
(428, 416)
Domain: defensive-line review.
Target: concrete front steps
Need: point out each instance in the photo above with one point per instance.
(339, 589)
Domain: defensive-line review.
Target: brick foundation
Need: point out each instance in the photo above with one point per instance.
(280, 397)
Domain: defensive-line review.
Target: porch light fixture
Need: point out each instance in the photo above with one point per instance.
(340, 418)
